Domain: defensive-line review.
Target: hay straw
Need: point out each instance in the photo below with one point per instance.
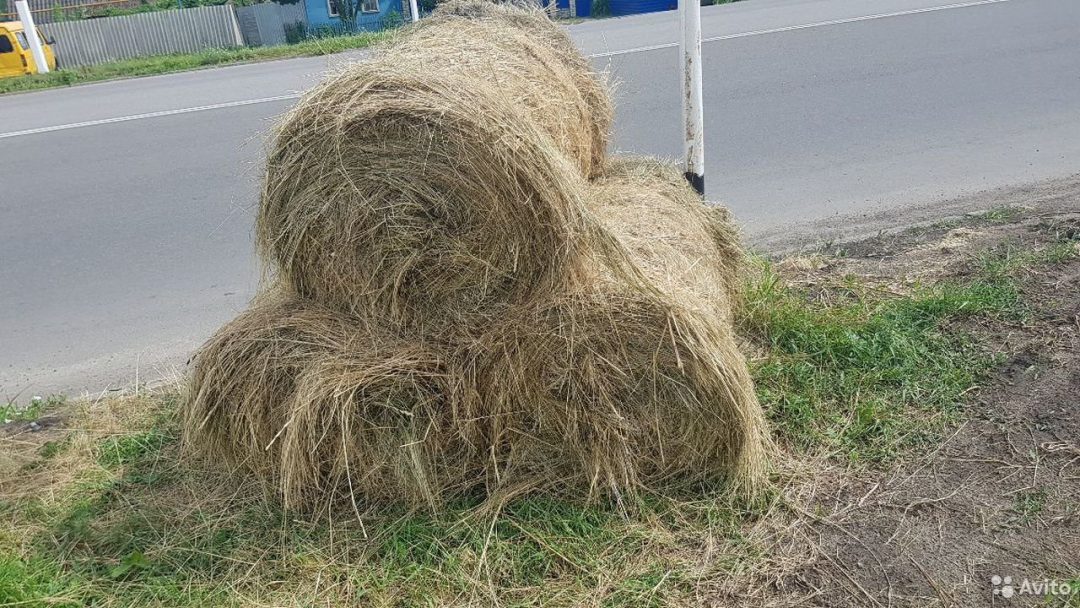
(533, 60)
(585, 395)
(611, 392)
(688, 249)
(523, 71)
(419, 197)
(438, 179)
(624, 385)
(456, 307)
(319, 404)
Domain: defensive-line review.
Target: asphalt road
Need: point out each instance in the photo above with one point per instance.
(126, 207)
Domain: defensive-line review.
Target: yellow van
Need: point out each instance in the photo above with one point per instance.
(15, 56)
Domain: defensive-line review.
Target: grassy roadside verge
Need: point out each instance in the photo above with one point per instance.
(164, 64)
(100, 508)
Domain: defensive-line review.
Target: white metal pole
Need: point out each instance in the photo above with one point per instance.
(414, 10)
(693, 112)
(36, 51)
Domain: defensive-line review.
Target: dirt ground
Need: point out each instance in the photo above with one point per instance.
(1000, 497)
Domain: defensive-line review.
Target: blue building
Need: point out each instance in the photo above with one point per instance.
(583, 8)
(619, 8)
(371, 15)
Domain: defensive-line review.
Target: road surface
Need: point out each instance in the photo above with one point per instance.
(126, 207)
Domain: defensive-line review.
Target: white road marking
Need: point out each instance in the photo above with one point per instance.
(640, 49)
(803, 26)
(106, 121)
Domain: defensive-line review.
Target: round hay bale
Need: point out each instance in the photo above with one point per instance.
(562, 96)
(536, 61)
(617, 380)
(419, 196)
(612, 390)
(321, 406)
(240, 377)
(689, 250)
(435, 184)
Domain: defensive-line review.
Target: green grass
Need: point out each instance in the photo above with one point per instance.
(854, 371)
(163, 64)
(128, 449)
(34, 582)
(30, 411)
(193, 537)
(1070, 601)
(846, 370)
(1004, 262)
(1001, 215)
(864, 374)
(1029, 505)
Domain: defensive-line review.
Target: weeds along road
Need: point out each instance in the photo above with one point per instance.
(126, 207)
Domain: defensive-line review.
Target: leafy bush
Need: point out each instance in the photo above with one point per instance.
(393, 19)
(296, 32)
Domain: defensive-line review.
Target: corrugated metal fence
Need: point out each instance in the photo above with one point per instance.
(264, 24)
(94, 41)
(47, 11)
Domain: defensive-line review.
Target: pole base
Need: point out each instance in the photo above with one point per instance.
(697, 182)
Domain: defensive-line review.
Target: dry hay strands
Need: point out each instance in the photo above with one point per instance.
(689, 249)
(610, 391)
(322, 408)
(624, 380)
(420, 196)
(531, 59)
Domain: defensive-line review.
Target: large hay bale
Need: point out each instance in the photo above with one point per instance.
(588, 394)
(607, 383)
(690, 250)
(438, 179)
(320, 405)
(534, 60)
(613, 392)
(617, 382)
(458, 305)
(418, 196)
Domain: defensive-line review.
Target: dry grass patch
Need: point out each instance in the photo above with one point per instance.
(123, 519)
